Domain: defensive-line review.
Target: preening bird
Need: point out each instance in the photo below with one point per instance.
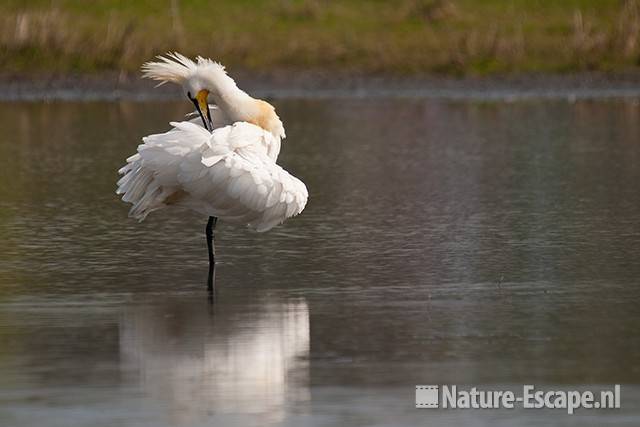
(225, 169)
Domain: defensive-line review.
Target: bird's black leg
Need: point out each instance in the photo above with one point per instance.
(212, 252)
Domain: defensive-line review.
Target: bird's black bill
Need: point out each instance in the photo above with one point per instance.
(204, 116)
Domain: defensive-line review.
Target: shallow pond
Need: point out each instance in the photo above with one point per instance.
(473, 242)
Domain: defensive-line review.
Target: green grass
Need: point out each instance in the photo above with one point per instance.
(401, 37)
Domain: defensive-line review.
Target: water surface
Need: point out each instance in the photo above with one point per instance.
(473, 242)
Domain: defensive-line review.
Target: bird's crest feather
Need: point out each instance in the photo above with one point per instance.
(176, 68)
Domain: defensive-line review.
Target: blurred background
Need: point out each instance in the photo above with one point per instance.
(404, 37)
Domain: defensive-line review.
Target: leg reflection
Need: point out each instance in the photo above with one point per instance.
(211, 225)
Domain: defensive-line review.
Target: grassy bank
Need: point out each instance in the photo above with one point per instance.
(401, 37)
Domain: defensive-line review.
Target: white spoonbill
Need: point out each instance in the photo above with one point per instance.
(225, 170)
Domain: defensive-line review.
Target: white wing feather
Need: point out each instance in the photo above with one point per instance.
(229, 173)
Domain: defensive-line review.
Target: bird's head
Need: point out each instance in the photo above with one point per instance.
(204, 78)
(198, 79)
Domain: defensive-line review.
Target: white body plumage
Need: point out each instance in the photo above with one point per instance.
(229, 172)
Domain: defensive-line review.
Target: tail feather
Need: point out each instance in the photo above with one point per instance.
(150, 178)
(149, 202)
(138, 186)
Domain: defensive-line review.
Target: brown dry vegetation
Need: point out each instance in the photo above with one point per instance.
(409, 36)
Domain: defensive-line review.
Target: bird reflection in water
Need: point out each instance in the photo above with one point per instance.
(233, 359)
